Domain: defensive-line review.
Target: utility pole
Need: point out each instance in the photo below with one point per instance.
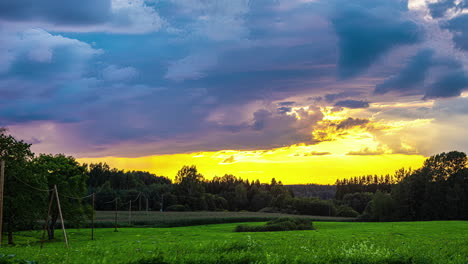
(2, 179)
(130, 213)
(92, 219)
(115, 221)
(61, 216)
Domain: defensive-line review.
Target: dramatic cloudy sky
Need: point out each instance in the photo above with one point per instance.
(301, 90)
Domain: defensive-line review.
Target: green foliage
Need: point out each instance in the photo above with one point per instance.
(311, 206)
(381, 208)
(189, 181)
(438, 190)
(279, 224)
(21, 201)
(358, 201)
(70, 178)
(346, 211)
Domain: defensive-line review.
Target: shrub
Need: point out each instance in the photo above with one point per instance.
(269, 210)
(177, 208)
(346, 211)
(279, 224)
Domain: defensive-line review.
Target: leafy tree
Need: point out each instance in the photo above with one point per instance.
(22, 189)
(358, 201)
(381, 208)
(70, 178)
(189, 181)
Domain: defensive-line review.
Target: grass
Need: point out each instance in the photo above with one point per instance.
(173, 219)
(331, 242)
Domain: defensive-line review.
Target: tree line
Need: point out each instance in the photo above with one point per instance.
(436, 191)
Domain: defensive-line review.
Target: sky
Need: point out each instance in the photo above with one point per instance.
(306, 91)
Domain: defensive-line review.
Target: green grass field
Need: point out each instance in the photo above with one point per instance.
(331, 242)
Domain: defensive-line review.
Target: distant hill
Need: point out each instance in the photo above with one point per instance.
(325, 192)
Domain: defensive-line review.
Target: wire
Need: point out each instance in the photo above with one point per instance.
(35, 188)
(111, 201)
(136, 199)
(84, 197)
(77, 198)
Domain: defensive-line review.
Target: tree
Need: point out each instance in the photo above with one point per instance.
(23, 197)
(189, 181)
(439, 167)
(381, 208)
(70, 178)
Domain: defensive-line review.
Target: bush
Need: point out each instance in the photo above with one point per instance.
(279, 224)
(346, 211)
(269, 210)
(177, 208)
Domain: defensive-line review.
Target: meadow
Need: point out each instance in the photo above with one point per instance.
(331, 242)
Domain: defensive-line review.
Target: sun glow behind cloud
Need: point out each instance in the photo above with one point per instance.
(348, 147)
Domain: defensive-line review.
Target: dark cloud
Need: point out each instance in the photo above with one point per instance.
(81, 12)
(317, 153)
(449, 85)
(411, 77)
(368, 29)
(231, 159)
(366, 152)
(284, 110)
(439, 9)
(412, 80)
(351, 122)
(458, 26)
(287, 103)
(352, 104)
(335, 96)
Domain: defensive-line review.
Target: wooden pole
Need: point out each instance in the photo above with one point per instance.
(161, 203)
(115, 220)
(46, 222)
(92, 218)
(146, 206)
(130, 213)
(61, 216)
(139, 202)
(2, 179)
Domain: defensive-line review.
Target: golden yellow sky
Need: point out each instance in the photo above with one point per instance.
(264, 165)
(346, 147)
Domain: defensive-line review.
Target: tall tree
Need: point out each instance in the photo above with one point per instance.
(70, 178)
(23, 195)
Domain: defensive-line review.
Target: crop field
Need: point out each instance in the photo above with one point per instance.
(171, 219)
(330, 242)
